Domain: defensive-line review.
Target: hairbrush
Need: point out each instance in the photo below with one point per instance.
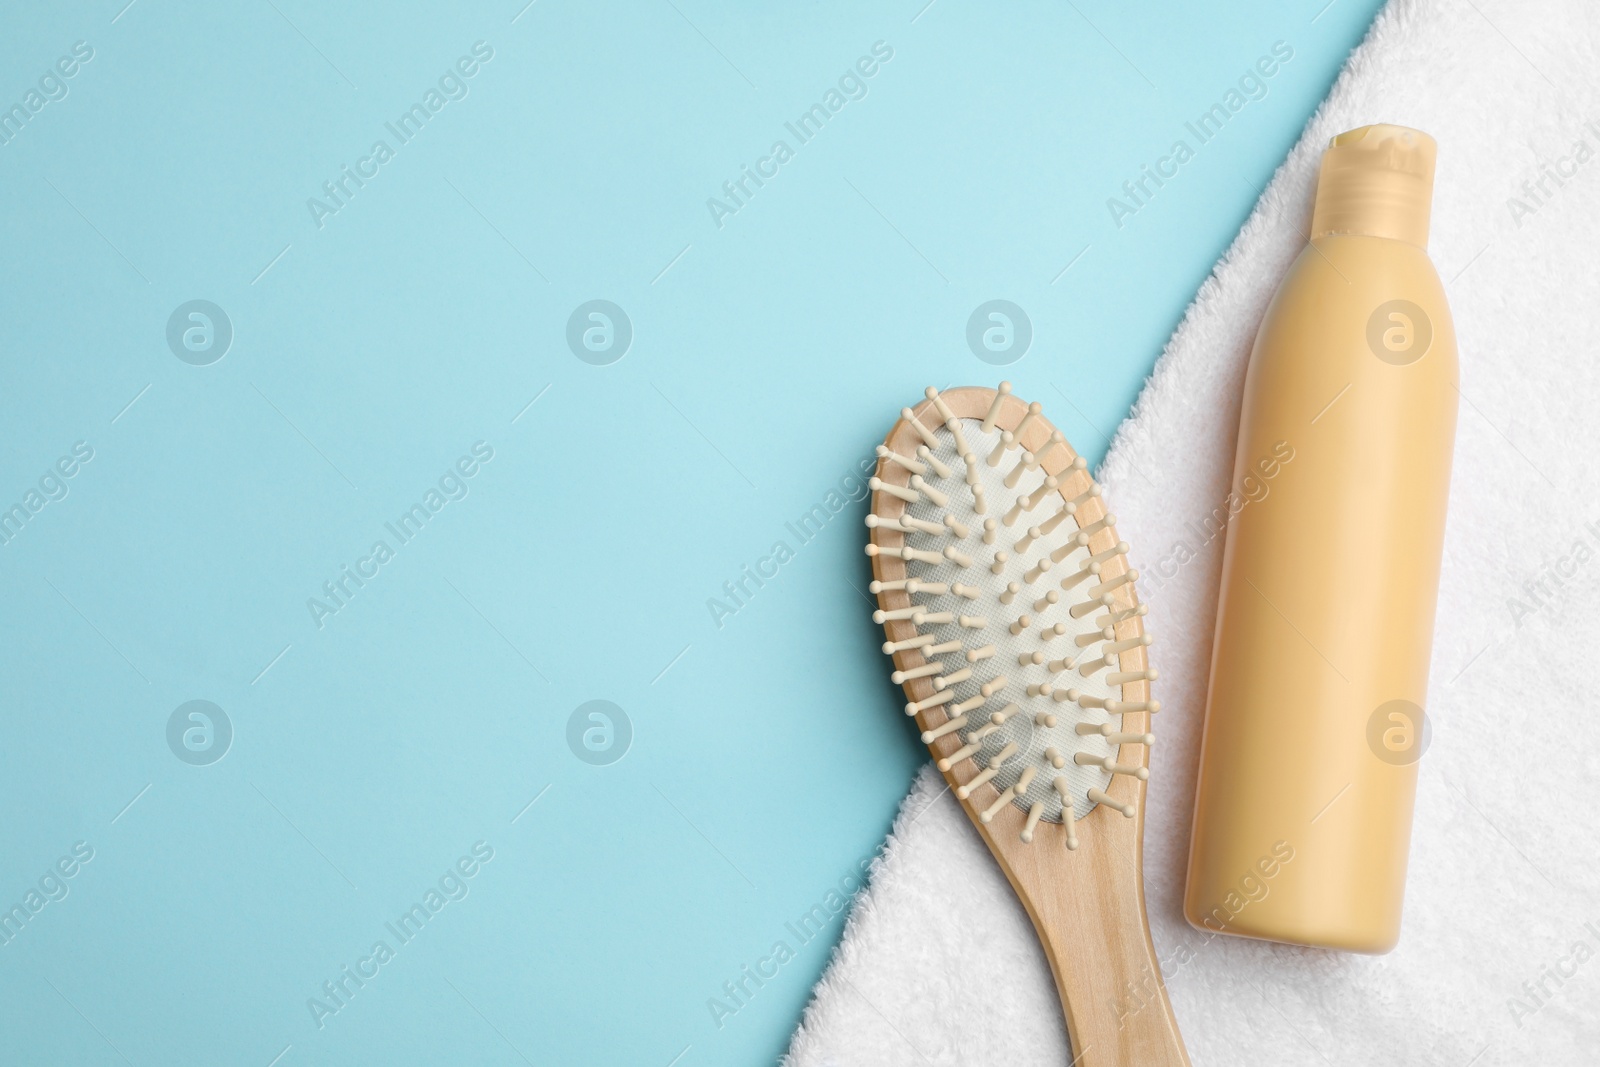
(1009, 609)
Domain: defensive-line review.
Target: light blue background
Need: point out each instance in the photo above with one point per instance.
(769, 356)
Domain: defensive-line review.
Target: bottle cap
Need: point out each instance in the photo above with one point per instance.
(1376, 181)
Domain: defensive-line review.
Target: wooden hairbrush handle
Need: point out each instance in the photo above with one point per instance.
(1088, 909)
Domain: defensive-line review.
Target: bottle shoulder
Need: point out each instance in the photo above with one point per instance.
(1373, 296)
(1365, 268)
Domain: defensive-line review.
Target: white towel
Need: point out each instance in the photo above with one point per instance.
(1499, 958)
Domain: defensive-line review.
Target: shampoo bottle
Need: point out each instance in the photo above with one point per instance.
(1314, 716)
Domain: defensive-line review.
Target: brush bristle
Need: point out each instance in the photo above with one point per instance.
(1008, 605)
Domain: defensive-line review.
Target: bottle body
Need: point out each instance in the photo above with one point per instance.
(1326, 608)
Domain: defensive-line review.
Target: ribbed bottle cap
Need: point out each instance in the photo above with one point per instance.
(1376, 181)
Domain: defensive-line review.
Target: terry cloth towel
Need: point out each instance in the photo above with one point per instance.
(1499, 958)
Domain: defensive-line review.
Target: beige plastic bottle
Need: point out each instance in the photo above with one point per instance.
(1330, 576)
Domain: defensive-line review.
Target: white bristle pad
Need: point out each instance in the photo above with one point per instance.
(1012, 584)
